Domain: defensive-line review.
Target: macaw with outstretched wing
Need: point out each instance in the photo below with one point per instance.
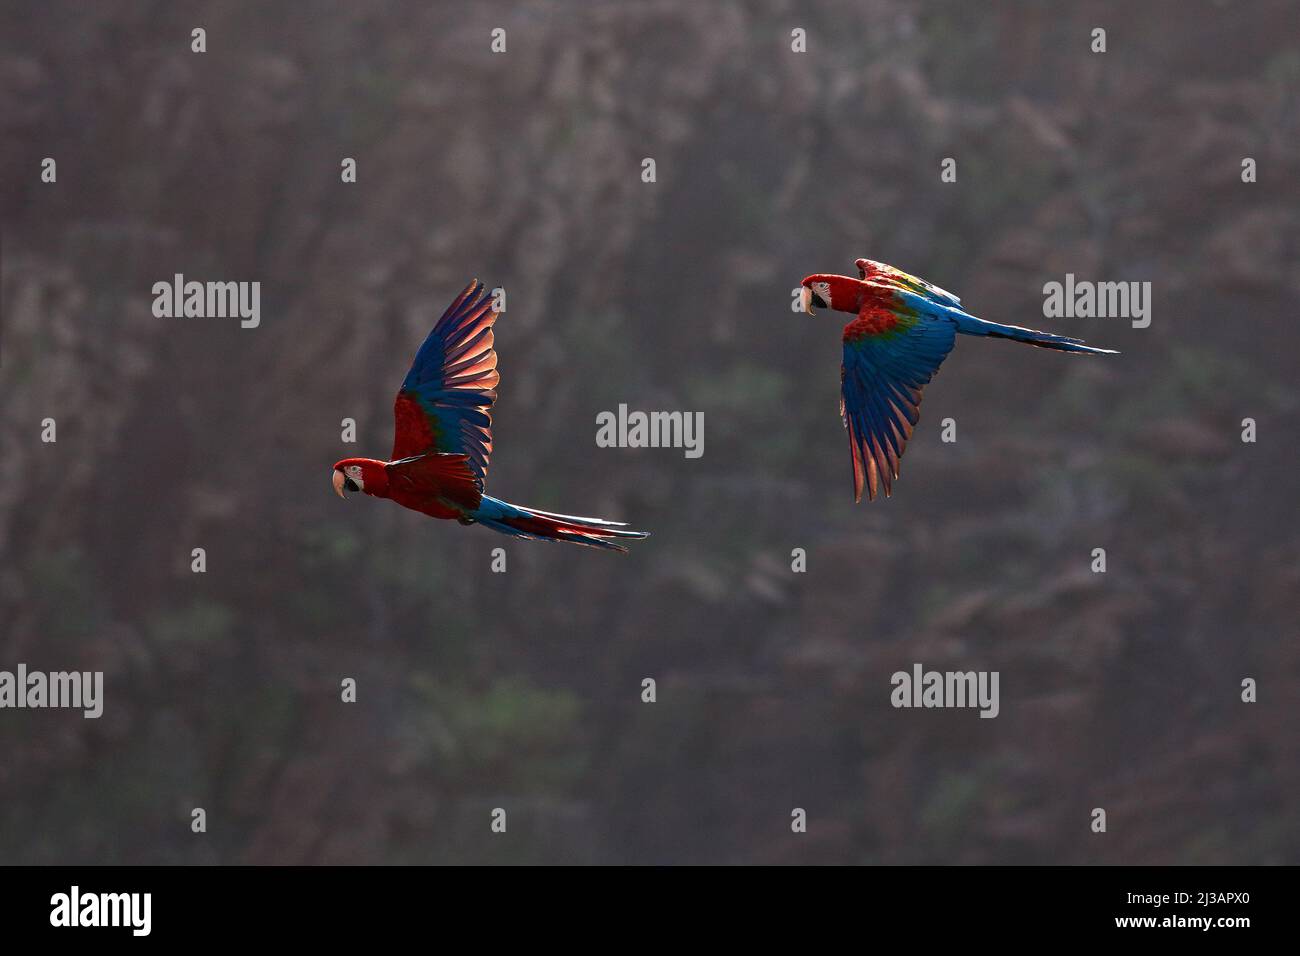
(442, 440)
(901, 331)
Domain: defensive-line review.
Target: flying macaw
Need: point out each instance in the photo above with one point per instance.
(443, 438)
(902, 331)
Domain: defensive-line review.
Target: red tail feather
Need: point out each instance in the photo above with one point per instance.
(592, 532)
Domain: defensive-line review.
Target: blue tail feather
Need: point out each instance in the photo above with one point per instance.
(970, 325)
(539, 525)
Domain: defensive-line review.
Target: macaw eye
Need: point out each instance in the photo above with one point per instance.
(354, 469)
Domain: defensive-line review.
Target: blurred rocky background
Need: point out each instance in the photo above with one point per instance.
(522, 690)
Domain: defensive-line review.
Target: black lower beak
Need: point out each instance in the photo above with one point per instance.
(350, 485)
(819, 302)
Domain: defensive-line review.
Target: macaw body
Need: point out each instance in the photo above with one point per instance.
(901, 331)
(442, 440)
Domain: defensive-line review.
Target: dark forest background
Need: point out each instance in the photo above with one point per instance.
(522, 690)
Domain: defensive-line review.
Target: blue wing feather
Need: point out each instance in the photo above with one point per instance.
(445, 401)
(881, 381)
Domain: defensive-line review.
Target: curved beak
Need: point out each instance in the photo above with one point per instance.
(805, 300)
(338, 483)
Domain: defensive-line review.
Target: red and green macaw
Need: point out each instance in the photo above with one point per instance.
(443, 438)
(902, 330)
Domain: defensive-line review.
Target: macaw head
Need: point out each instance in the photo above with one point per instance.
(360, 474)
(827, 292)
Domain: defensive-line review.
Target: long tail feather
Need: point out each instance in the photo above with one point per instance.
(521, 522)
(1044, 340)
